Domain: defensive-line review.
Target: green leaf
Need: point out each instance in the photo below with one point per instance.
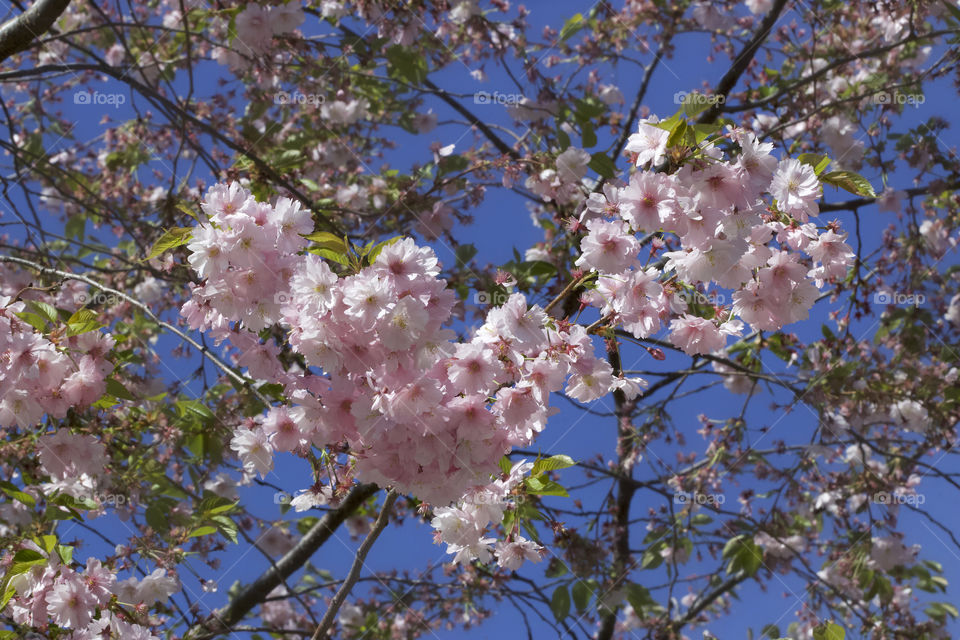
(82, 321)
(14, 492)
(35, 321)
(172, 238)
(678, 134)
(505, 465)
(574, 24)
(227, 527)
(581, 595)
(952, 9)
(156, 517)
(744, 555)
(556, 568)
(66, 553)
(829, 631)
(940, 610)
(589, 136)
(224, 508)
(75, 227)
(818, 161)
(339, 258)
(552, 463)
(187, 209)
(117, 390)
(29, 557)
(193, 408)
(696, 103)
(704, 131)
(48, 543)
(850, 181)
(603, 165)
(407, 64)
(327, 240)
(465, 253)
(560, 603)
(541, 487)
(377, 248)
(202, 531)
(44, 309)
(639, 598)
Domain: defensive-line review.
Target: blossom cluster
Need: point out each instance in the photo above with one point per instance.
(417, 409)
(462, 527)
(55, 593)
(726, 228)
(40, 377)
(74, 463)
(257, 25)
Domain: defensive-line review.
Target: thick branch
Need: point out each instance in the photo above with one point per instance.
(742, 62)
(17, 34)
(625, 491)
(222, 620)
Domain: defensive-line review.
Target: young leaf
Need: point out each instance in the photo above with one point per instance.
(571, 26)
(552, 464)
(829, 631)
(852, 182)
(603, 165)
(560, 603)
(176, 237)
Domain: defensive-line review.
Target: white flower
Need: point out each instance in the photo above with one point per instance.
(510, 555)
(910, 414)
(254, 450)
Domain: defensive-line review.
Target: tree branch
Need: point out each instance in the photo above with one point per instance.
(742, 61)
(17, 34)
(382, 520)
(222, 620)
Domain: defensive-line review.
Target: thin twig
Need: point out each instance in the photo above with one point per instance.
(382, 520)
